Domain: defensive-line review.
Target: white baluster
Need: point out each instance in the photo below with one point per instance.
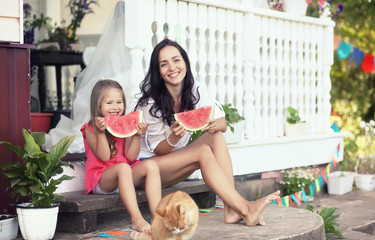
(272, 78)
(307, 67)
(288, 70)
(257, 77)
(229, 55)
(159, 13)
(265, 77)
(313, 77)
(293, 65)
(211, 75)
(171, 18)
(181, 35)
(250, 55)
(319, 81)
(191, 39)
(201, 34)
(280, 76)
(239, 89)
(299, 67)
(220, 56)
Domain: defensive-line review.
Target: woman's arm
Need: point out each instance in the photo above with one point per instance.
(215, 125)
(169, 143)
(98, 141)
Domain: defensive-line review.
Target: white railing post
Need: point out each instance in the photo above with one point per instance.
(136, 40)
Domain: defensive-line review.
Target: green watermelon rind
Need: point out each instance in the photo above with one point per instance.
(194, 129)
(114, 133)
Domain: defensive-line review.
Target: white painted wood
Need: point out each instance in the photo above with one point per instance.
(212, 58)
(11, 21)
(192, 38)
(220, 46)
(159, 13)
(238, 65)
(229, 56)
(201, 48)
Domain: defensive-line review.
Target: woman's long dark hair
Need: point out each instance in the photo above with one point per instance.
(153, 86)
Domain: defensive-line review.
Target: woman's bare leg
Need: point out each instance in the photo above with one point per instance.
(218, 146)
(176, 164)
(146, 175)
(120, 175)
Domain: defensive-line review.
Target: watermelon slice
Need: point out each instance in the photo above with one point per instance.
(124, 126)
(195, 120)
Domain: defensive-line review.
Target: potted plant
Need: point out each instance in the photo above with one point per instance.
(294, 125)
(365, 167)
(235, 123)
(340, 182)
(8, 227)
(36, 178)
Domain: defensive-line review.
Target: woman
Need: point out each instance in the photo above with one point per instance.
(169, 88)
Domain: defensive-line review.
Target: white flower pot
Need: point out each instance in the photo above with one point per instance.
(8, 228)
(295, 7)
(237, 135)
(297, 129)
(340, 182)
(365, 182)
(37, 223)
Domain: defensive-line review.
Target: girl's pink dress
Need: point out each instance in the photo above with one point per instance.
(95, 167)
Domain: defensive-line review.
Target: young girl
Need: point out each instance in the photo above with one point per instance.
(168, 88)
(111, 164)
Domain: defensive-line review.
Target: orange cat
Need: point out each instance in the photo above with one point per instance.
(176, 217)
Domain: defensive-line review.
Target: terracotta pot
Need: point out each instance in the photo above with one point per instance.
(41, 122)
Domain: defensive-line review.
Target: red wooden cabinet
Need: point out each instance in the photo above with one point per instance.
(14, 104)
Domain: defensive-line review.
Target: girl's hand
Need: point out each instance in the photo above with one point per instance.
(100, 124)
(177, 132)
(211, 127)
(142, 128)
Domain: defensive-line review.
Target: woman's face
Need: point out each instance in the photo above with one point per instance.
(172, 66)
(112, 103)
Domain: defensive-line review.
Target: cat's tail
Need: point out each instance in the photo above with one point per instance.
(140, 236)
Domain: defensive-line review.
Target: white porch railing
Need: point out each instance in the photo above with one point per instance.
(261, 61)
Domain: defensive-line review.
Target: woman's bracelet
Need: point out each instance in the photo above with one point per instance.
(169, 142)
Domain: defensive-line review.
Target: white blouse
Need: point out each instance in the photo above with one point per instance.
(158, 130)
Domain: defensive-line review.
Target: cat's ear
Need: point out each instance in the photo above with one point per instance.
(180, 209)
(160, 211)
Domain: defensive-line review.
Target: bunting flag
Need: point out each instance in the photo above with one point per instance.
(317, 185)
(368, 63)
(344, 50)
(357, 56)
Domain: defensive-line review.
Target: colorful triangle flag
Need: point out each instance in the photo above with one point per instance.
(324, 175)
(368, 63)
(279, 202)
(344, 50)
(357, 56)
(291, 201)
(103, 235)
(286, 200)
(304, 197)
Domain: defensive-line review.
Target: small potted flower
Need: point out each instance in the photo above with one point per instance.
(294, 125)
(365, 167)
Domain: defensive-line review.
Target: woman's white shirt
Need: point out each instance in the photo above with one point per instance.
(158, 130)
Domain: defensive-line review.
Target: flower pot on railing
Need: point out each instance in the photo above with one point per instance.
(365, 182)
(295, 7)
(8, 227)
(237, 135)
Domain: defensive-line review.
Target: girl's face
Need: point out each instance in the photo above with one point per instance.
(172, 66)
(112, 103)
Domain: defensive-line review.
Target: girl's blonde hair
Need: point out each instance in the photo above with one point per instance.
(98, 95)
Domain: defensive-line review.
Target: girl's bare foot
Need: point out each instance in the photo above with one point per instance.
(231, 216)
(252, 216)
(141, 226)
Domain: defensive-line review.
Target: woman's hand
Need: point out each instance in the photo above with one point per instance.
(100, 124)
(177, 132)
(142, 128)
(211, 127)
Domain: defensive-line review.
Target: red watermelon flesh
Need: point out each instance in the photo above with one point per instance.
(195, 120)
(124, 126)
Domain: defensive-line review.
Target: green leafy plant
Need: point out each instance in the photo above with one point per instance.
(296, 179)
(35, 176)
(329, 219)
(366, 156)
(231, 116)
(293, 116)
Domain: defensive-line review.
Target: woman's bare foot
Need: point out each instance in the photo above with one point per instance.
(252, 216)
(141, 226)
(231, 216)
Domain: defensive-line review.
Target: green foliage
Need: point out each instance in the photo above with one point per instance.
(296, 179)
(33, 177)
(231, 116)
(329, 219)
(293, 116)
